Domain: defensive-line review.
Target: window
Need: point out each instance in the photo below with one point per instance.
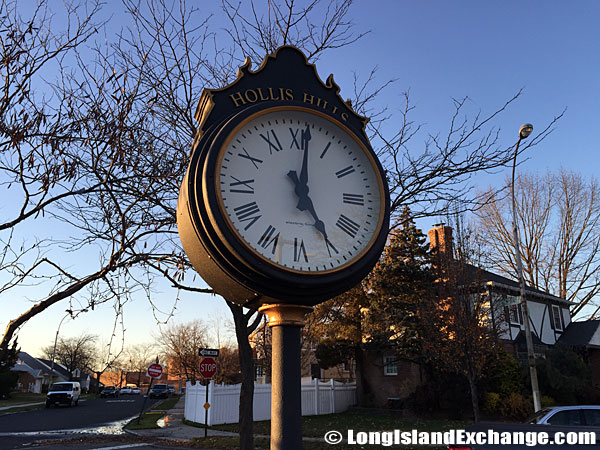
(390, 365)
(556, 318)
(569, 417)
(592, 417)
(515, 314)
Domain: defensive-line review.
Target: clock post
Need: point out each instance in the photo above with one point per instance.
(286, 322)
(284, 205)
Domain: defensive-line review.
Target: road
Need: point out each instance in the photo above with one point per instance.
(97, 416)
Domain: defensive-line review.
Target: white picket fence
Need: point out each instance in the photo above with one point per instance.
(224, 400)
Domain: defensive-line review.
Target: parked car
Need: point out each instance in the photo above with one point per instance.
(125, 390)
(129, 389)
(552, 420)
(171, 389)
(109, 391)
(159, 391)
(580, 415)
(65, 393)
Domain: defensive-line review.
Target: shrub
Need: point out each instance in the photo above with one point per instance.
(8, 378)
(564, 375)
(515, 406)
(491, 402)
(8, 381)
(547, 401)
(503, 375)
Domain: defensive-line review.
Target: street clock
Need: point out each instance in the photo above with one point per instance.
(284, 200)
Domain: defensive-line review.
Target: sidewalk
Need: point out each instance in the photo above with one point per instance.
(172, 427)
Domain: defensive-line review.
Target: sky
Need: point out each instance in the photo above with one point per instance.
(437, 50)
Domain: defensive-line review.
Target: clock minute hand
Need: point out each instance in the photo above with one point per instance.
(304, 171)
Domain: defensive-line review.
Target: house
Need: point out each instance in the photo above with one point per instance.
(549, 315)
(35, 374)
(396, 379)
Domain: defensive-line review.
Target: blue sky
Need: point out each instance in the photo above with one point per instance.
(438, 50)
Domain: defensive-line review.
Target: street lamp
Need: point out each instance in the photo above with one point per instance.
(54, 351)
(524, 132)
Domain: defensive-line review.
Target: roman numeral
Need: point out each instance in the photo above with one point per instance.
(348, 226)
(299, 250)
(353, 199)
(249, 212)
(330, 247)
(325, 151)
(269, 238)
(272, 145)
(252, 159)
(294, 140)
(345, 171)
(249, 185)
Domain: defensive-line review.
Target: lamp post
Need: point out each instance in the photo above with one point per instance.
(524, 132)
(54, 350)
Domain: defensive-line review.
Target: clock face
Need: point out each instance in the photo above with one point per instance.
(299, 190)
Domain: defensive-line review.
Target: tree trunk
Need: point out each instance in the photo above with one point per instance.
(362, 386)
(246, 394)
(242, 331)
(474, 396)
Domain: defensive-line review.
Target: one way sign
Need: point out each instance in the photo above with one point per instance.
(208, 352)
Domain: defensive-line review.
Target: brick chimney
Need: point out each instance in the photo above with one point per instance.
(440, 240)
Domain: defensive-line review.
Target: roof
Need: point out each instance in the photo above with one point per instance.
(59, 369)
(34, 363)
(582, 334)
(42, 366)
(521, 339)
(35, 373)
(495, 280)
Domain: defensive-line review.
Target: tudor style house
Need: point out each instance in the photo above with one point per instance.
(549, 315)
(397, 379)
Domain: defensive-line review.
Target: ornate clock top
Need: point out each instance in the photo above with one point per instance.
(284, 77)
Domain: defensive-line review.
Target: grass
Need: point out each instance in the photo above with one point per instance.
(232, 443)
(147, 422)
(317, 426)
(149, 418)
(20, 398)
(166, 404)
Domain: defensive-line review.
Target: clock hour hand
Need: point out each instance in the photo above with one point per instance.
(305, 203)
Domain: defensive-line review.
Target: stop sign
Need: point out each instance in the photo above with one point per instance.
(155, 370)
(208, 368)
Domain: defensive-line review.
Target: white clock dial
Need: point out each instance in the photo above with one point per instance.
(300, 191)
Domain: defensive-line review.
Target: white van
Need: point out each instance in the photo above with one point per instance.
(63, 393)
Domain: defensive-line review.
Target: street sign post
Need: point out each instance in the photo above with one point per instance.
(208, 369)
(154, 370)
